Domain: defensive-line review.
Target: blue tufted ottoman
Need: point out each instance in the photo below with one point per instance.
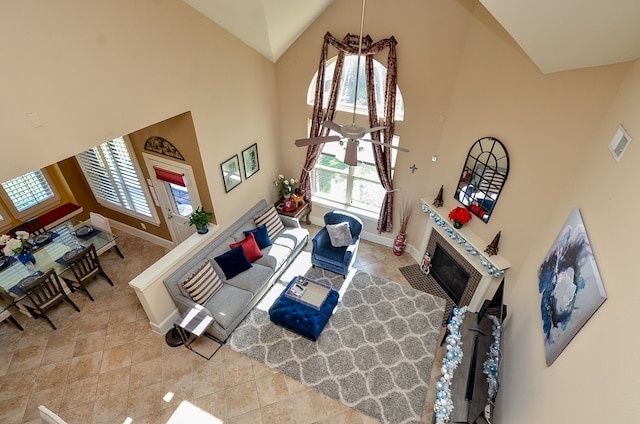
(300, 318)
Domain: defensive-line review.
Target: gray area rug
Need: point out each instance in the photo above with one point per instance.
(427, 284)
(375, 353)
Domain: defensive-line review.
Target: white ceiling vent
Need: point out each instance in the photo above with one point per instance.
(619, 143)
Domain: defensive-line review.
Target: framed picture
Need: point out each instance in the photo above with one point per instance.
(231, 173)
(250, 160)
(570, 286)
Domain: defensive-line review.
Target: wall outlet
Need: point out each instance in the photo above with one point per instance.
(144, 227)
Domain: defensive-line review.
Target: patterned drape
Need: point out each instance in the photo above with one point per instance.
(382, 154)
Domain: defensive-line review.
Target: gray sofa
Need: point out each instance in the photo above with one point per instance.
(238, 295)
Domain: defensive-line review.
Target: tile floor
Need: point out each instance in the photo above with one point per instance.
(105, 365)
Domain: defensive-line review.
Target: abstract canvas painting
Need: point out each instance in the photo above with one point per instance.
(570, 286)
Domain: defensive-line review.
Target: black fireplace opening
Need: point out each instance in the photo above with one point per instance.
(448, 274)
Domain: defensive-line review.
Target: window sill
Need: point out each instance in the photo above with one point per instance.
(360, 213)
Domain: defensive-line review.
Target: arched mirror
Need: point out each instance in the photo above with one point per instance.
(483, 176)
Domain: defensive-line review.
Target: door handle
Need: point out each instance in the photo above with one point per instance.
(169, 214)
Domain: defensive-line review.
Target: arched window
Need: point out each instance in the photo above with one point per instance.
(333, 182)
(347, 87)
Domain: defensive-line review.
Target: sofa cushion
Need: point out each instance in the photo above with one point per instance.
(226, 304)
(250, 248)
(233, 262)
(253, 279)
(272, 221)
(262, 236)
(279, 252)
(339, 234)
(203, 283)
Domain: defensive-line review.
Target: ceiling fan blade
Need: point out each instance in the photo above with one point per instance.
(315, 140)
(351, 154)
(374, 129)
(332, 126)
(402, 149)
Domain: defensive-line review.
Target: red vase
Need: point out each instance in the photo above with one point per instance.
(399, 244)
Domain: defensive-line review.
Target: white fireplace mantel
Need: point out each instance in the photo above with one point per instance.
(471, 248)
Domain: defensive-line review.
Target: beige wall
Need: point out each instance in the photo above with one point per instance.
(95, 70)
(463, 77)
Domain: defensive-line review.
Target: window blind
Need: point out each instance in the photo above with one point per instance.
(169, 176)
(28, 190)
(113, 178)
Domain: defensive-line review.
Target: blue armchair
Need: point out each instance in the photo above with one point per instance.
(336, 259)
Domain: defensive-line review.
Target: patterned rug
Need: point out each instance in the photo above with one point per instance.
(375, 353)
(427, 284)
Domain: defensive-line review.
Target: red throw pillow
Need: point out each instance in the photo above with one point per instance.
(250, 247)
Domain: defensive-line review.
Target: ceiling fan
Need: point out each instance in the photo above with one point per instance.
(351, 134)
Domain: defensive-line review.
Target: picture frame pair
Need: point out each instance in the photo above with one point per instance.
(231, 167)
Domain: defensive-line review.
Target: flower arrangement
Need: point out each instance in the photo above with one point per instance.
(459, 216)
(14, 246)
(285, 186)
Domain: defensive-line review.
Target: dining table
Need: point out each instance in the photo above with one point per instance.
(50, 250)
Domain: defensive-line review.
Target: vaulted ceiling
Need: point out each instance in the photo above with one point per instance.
(557, 35)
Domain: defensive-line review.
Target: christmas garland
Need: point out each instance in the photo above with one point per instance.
(443, 404)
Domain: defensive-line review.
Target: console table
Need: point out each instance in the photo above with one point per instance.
(469, 388)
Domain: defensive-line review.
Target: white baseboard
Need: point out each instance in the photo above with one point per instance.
(165, 325)
(377, 238)
(142, 234)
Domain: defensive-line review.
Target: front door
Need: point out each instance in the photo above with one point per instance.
(177, 200)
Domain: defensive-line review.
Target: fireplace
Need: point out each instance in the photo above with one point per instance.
(447, 246)
(451, 271)
(448, 274)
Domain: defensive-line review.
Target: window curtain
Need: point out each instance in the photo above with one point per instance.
(382, 154)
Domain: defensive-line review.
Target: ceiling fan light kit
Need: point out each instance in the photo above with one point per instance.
(351, 134)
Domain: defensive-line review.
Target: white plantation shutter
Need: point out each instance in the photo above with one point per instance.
(28, 190)
(114, 179)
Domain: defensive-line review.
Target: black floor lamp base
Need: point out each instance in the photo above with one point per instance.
(173, 338)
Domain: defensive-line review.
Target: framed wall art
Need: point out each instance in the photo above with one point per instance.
(250, 160)
(570, 286)
(231, 173)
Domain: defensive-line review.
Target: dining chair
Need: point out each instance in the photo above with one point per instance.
(43, 293)
(47, 416)
(6, 315)
(83, 267)
(102, 223)
(32, 226)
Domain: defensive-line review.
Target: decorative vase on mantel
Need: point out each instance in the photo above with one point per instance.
(399, 244)
(457, 224)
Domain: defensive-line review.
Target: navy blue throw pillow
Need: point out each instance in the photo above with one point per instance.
(233, 262)
(262, 236)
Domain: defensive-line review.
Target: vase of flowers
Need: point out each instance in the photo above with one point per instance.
(17, 246)
(459, 216)
(285, 186)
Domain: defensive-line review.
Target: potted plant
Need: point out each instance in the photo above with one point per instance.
(200, 218)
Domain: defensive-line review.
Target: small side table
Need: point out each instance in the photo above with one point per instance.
(191, 325)
(297, 212)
